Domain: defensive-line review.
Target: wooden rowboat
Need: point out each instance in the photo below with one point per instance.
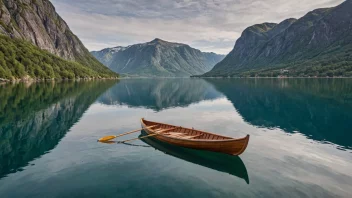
(195, 139)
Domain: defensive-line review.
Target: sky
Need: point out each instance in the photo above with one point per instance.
(208, 25)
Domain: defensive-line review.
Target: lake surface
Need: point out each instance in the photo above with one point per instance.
(300, 146)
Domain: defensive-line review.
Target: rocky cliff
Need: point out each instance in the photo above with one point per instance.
(158, 58)
(36, 21)
(318, 44)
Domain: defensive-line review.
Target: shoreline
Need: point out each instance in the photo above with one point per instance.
(273, 77)
(31, 80)
(235, 77)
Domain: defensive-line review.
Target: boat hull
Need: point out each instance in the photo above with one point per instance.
(219, 144)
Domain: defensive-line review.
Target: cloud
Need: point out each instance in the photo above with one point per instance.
(209, 25)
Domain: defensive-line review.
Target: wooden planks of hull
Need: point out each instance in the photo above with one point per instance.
(196, 139)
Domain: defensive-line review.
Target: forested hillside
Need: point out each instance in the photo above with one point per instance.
(20, 59)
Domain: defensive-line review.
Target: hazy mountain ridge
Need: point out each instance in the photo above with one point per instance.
(157, 58)
(37, 22)
(317, 44)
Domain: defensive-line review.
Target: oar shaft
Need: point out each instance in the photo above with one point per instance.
(108, 138)
(135, 131)
(154, 134)
(139, 138)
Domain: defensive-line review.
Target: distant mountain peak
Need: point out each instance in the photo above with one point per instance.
(158, 58)
(156, 40)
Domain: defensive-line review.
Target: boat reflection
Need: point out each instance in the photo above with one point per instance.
(216, 161)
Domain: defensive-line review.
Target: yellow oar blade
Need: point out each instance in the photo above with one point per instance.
(107, 138)
(108, 142)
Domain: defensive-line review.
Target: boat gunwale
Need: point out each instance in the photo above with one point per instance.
(195, 140)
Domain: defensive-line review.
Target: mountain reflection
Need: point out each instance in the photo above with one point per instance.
(319, 108)
(34, 118)
(158, 94)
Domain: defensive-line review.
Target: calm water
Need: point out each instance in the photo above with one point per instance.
(300, 146)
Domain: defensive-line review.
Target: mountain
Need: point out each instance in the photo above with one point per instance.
(158, 58)
(318, 44)
(35, 22)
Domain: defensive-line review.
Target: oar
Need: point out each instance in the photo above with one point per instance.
(158, 133)
(107, 138)
(138, 138)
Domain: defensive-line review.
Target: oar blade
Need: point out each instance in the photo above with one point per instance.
(107, 138)
(108, 142)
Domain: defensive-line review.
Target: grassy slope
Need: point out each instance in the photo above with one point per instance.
(19, 58)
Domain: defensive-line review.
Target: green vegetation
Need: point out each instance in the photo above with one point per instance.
(20, 59)
(336, 61)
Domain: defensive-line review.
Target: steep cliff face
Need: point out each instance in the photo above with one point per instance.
(158, 58)
(314, 44)
(250, 43)
(36, 21)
